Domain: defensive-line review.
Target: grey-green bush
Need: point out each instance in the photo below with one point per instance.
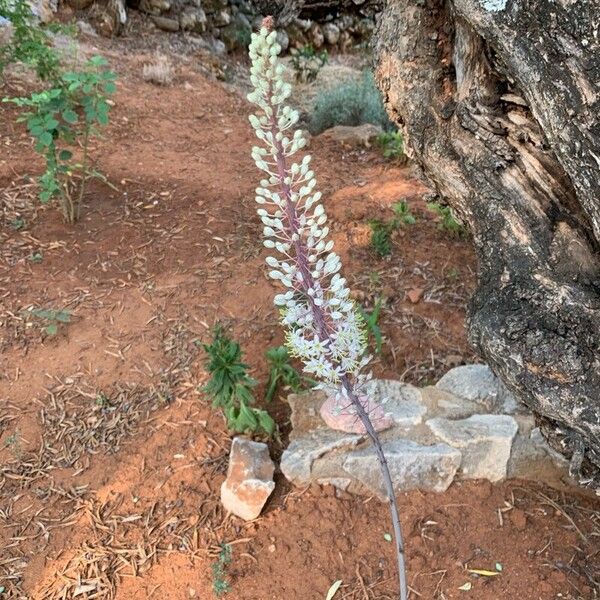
(352, 103)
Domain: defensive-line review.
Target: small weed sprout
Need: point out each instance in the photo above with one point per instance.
(159, 71)
(283, 374)
(53, 318)
(352, 103)
(60, 120)
(324, 328)
(381, 231)
(448, 221)
(219, 571)
(18, 223)
(371, 319)
(403, 215)
(391, 144)
(381, 240)
(13, 442)
(307, 63)
(230, 386)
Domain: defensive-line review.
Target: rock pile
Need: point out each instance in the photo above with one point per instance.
(468, 426)
(229, 23)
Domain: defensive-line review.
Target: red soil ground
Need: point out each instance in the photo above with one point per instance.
(112, 458)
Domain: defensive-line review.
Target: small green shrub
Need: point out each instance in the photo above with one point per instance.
(18, 224)
(381, 240)
(402, 213)
(52, 317)
(447, 220)
(30, 43)
(381, 231)
(352, 103)
(230, 386)
(282, 373)
(307, 62)
(371, 319)
(219, 571)
(391, 144)
(61, 120)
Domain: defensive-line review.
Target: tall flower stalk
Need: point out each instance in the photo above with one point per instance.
(324, 328)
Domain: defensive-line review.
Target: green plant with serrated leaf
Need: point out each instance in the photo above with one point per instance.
(29, 43)
(230, 386)
(307, 62)
(381, 240)
(381, 231)
(219, 571)
(402, 214)
(371, 319)
(283, 374)
(448, 221)
(391, 144)
(52, 317)
(13, 442)
(62, 120)
(17, 224)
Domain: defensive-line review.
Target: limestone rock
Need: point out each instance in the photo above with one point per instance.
(283, 39)
(339, 483)
(221, 18)
(402, 402)
(316, 35)
(85, 28)
(412, 466)
(443, 404)
(401, 405)
(249, 480)
(354, 137)
(478, 383)
(331, 32)
(305, 415)
(297, 460)
(165, 23)
(532, 457)
(192, 19)
(484, 440)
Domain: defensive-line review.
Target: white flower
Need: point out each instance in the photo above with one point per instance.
(323, 327)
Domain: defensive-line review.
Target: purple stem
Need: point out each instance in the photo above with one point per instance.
(321, 322)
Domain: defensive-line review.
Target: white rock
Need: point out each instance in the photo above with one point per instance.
(340, 483)
(485, 442)
(412, 466)
(249, 480)
(298, 458)
(401, 401)
(331, 33)
(479, 384)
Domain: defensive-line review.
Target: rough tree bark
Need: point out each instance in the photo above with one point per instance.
(500, 103)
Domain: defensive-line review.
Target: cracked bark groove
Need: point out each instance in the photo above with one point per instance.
(501, 110)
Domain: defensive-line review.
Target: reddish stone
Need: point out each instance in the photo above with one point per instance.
(339, 414)
(249, 480)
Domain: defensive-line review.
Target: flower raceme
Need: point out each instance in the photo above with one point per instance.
(324, 328)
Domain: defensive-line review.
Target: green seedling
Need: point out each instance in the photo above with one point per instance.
(230, 386)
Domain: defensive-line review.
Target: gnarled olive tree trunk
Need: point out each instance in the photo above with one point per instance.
(500, 103)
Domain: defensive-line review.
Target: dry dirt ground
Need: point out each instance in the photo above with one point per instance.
(111, 458)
